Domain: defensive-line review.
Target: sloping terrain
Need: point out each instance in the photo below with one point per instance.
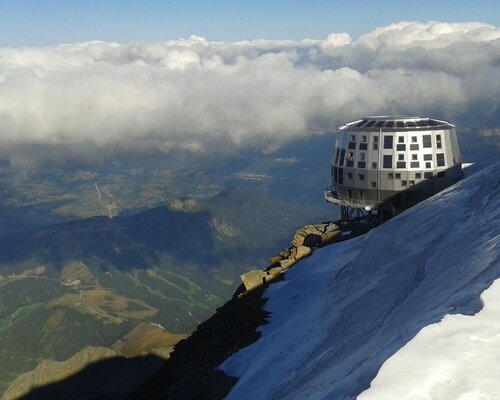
(91, 282)
(340, 314)
(295, 173)
(324, 330)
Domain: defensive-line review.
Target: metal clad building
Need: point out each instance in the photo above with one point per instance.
(394, 160)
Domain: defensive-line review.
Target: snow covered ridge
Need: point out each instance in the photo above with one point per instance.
(342, 313)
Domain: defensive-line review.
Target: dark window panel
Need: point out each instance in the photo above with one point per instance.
(440, 160)
(388, 141)
(387, 161)
(342, 157)
(427, 141)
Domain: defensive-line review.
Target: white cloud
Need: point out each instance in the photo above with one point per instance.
(96, 99)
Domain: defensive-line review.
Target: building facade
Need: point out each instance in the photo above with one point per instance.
(392, 160)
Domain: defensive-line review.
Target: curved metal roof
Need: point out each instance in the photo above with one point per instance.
(395, 123)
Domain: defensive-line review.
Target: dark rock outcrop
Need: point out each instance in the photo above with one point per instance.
(191, 372)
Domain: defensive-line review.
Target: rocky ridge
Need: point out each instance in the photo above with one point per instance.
(143, 340)
(191, 370)
(305, 240)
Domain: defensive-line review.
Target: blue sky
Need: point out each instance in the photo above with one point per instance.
(47, 22)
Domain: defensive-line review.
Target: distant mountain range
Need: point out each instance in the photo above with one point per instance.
(325, 330)
(49, 194)
(90, 282)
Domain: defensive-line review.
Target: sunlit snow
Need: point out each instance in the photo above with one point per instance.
(342, 313)
(456, 359)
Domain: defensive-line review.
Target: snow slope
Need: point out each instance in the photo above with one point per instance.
(340, 314)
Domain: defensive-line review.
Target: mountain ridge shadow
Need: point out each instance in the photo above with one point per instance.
(109, 379)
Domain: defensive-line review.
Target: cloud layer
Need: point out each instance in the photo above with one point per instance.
(97, 99)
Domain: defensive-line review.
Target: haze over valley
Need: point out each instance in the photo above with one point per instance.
(140, 179)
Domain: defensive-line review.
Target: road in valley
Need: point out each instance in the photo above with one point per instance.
(108, 209)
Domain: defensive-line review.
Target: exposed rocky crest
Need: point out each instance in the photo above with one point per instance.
(49, 371)
(143, 340)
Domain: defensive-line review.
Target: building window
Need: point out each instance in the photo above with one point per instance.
(342, 156)
(411, 183)
(427, 157)
(427, 141)
(398, 175)
(428, 165)
(349, 175)
(353, 138)
(403, 183)
(418, 175)
(374, 165)
(401, 139)
(401, 147)
(415, 164)
(363, 146)
(441, 174)
(401, 164)
(349, 164)
(341, 176)
(362, 156)
(414, 139)
(414, 156)
(361, 164)
(349, 194)
(363, 139)
(361, 195)
(440, 159)
(375, 143)
(427, 175)
(413, 146)
(390, 176)
(374, 184)
(361, 177)
(439, 144)
(337, 155)
(388, 141)
(352, 145)
(387, 161)
(401, 157)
